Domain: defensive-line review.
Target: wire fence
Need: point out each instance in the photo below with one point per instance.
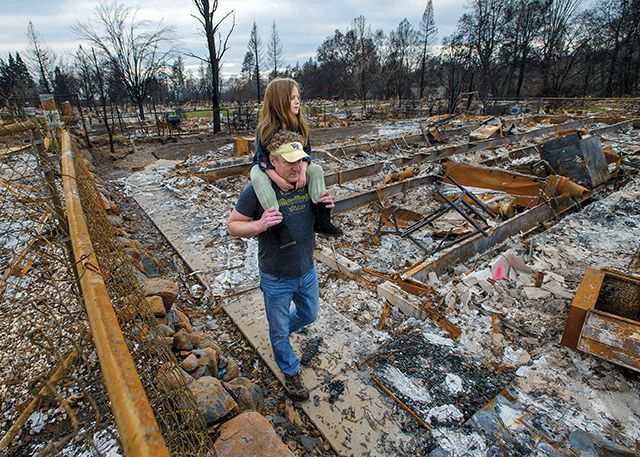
(53, 399)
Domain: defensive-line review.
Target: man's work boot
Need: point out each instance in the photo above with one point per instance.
(322, 221)
(284, 235)
(296, 389)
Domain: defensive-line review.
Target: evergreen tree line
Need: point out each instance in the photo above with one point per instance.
(500, 48)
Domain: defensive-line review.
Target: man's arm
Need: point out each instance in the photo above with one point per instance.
(245, 227)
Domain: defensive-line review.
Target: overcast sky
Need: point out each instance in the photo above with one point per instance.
(302, 25)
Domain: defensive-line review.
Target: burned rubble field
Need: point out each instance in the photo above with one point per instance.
(506, 364)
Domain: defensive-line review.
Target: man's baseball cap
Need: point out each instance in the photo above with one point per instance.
(291, 152)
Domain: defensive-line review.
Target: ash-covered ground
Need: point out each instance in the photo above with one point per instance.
(508, 348)
(503, 387)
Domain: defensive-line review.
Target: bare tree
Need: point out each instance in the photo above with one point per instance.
(274, 51)
(523, 19)
(402, 43)
(216, 47)
(336, 61)
(455, 58)
(255, 48)
(481, 29)
(363, 53)
(556, 43)
(42, 57)
(92, 75)
(136, 51)
(427, 35)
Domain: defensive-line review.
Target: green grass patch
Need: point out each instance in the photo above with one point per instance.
(201, 113)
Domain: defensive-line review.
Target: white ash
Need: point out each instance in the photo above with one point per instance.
(461, 442)
(104, 441)
(37, 421)
(453, 383)
(444, 414)
(406, 386)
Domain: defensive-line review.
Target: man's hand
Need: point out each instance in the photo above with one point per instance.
(270, 218)
(326, 199)
(243, 226)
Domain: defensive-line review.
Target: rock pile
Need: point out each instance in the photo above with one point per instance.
(214, 379)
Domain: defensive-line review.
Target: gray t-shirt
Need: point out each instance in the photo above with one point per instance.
(295, 207)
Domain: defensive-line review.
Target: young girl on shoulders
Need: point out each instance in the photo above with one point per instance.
(281, 111)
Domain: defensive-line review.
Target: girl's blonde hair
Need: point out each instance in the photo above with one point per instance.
(276, 112)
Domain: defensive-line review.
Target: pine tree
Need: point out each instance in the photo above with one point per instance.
(16, 84)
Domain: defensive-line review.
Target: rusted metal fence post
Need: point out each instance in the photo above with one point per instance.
(139, 431)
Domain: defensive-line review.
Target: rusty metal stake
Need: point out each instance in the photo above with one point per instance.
(400, 402)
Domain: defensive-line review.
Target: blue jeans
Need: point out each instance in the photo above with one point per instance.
(284, 319)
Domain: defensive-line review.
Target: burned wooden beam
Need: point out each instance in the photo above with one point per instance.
(453, 150)
(411, 306)
(370, 170)
(401, 300)
(534, 149)
(558, 118)
(371, 145)
(337, 262)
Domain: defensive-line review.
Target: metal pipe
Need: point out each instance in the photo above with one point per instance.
(18, 127)
(139, 431)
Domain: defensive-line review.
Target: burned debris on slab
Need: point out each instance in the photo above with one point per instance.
(556, 198)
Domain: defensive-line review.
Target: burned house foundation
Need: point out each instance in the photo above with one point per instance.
(443, 309)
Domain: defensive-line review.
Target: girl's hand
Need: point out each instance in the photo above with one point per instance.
(283, 184)
(302, 181)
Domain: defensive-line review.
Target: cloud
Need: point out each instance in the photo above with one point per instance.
(302, 25)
